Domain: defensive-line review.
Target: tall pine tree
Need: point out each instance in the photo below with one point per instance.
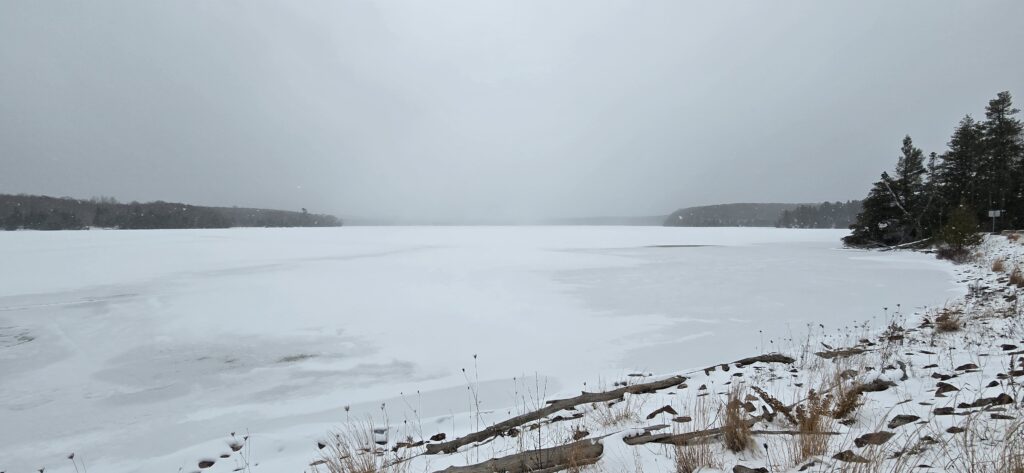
(959, 168)
(1003, 173)
(907, 189)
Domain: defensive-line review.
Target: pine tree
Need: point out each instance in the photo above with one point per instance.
(907, 189)
(959, 168)
(1003, 172)
(877, 224)
(982, 170)
(894, 211)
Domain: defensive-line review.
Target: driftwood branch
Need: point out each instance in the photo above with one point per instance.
(576, 454)
(903, 245)
(768, 358)
(701, 436)
(790, 432)
(687, 438)
(552, 407)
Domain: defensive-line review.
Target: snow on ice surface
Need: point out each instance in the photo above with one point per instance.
(141, 350)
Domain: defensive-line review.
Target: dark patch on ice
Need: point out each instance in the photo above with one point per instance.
(677, 246)
(295, 358)
(12, 337)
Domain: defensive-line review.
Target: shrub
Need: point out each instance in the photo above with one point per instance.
(1017, 277)
(959, 235)
(948, 321)
(999, 265)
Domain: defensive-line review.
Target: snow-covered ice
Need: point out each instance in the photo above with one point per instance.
(141, 350)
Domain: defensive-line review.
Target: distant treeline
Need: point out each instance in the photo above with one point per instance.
(64, 213)
(942, 196)
(729, 215)
(825, 215)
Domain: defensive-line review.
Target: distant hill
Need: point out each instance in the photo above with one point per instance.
(646, 221)
(729, 215)
(65, 213)
(653, 221)
(824, 215)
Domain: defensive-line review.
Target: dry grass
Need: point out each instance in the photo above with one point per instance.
(698, 455)
(616, 413)
(812, 420)
(692, 458)
(577, 459)
(1011, 459)
(1017, 277)
(999, 265)
(352, 450)
(948, 320)
(735, 428)
(846, 398)
(1013, 236)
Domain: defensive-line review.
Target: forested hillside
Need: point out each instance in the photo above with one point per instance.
(52, 213)
(728, 215)
(824, 215)
(945, 196)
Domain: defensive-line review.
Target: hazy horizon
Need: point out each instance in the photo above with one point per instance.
(456, 111)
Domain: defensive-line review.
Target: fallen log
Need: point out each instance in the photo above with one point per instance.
(686, 438)
(841, 353)
(768, 358)
(790, 432)
(690, 438)
(552, 407)
(904, 245)
(563, 457)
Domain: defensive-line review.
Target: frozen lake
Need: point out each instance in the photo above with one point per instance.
(141, 350)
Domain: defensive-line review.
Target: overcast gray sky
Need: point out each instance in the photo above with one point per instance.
(473, 109)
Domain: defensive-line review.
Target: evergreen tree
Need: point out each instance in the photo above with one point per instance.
(932, 208)
(959, 235)
(894, 211)
(958, 170)
(983, 169)
(1004, 150)
(877, 223)
(907, 190)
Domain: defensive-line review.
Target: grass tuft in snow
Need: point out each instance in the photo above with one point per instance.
(354, 449)
(999, 265)
(812, 420)
(735, 426)
(1017, 277)
(949, 320)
